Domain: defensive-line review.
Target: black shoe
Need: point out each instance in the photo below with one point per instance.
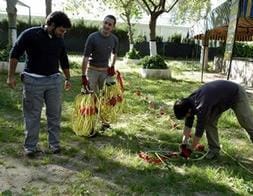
(55, 150)
(212, 155)
(105, 126)
(32, 153)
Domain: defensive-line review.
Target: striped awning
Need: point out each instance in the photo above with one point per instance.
(216, 24)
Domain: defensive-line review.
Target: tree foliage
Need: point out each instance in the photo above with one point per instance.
(78, 8)
(154, 8)
(190, 10)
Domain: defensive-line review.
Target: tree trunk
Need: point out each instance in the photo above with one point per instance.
(152, 27)
(48, 7)
(12, 17)
(152, 43)
(130, 33)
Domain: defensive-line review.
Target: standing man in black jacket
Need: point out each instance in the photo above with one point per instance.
(42, 80)
(208, 103)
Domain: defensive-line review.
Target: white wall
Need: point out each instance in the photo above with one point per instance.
(161, 30)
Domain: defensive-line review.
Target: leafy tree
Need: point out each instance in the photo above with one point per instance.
(191, 10)
(154, 8)
(183, 10)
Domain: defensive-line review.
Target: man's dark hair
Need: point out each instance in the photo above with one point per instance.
(181, 107)
(59, 19)
(111, 17)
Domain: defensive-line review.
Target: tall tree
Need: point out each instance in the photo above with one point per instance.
(183, 10)
(127, 10)
(12, 20)
(154, 8)
(48, 7)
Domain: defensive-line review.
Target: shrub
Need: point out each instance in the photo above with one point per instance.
(140, 39)
(4, 54)
(159, 39)
(74, 64)
(133, 54)
(153, 62)
(176, 38)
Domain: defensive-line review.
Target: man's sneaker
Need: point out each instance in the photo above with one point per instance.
(32, 153)
(212, 155)
(105, 126)
(55, 149)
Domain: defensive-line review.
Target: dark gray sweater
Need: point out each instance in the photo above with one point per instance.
(44, 54)
(99, 48)
(211, 100)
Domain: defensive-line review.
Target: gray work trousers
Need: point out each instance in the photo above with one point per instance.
(243, 114)
(96, 79)
(36, 92)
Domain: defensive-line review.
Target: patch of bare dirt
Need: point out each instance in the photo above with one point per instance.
(19, 178)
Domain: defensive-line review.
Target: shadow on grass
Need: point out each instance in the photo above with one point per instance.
(113, 158)
(136, 177)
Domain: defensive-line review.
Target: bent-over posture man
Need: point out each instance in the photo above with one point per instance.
(207, 104)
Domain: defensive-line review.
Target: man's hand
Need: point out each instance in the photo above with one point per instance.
(67, 85)
(200, 147)
(86, 87)
(85, 81)
(185, 151)
(111, 71)
(11, 81)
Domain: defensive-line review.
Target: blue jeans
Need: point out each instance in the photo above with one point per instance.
(36, 92)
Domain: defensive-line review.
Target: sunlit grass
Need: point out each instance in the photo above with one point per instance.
(109, 164)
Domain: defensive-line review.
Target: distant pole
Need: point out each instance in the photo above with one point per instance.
(203, 63)
(231, 34)
(204, 45)
(30, 18)
(48, 7)
(232, 54)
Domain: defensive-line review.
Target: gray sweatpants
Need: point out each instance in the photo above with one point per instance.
(244, 116)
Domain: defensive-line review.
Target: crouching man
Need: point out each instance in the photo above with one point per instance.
(207, 104)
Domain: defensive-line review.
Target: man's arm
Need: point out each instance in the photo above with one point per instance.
(11, 73)
(186, 135)
(66, 74)
(195, 141)
(85, 65)
(114, 57)
(67, 83)
(64, 62)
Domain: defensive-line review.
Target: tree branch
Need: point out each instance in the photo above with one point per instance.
(176, 1)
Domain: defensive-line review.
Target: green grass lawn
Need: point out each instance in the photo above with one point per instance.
(109, 164)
